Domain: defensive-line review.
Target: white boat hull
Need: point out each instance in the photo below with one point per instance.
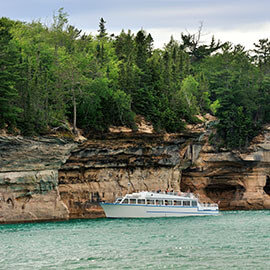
(116, 210)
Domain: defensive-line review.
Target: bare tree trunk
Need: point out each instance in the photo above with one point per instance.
(74, 113)
(74, 106)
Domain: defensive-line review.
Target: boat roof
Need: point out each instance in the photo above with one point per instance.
(161, 195)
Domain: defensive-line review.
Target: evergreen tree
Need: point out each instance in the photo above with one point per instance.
(191, 43)
(262, 61)
(262, 55)
(9, 62)
(52, 74)
(102, 29)
(233, 82)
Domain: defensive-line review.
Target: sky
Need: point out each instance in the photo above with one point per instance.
(238, 21)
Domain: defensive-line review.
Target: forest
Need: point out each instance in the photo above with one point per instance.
(52, 75)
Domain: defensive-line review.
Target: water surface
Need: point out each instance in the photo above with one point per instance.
(233, 240)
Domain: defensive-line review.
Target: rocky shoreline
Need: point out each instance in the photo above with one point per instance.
(46, 179)
(29, 179)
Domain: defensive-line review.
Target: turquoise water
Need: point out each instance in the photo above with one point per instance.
(233, 240)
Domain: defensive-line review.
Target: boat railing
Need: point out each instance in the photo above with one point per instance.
(209, 204)
(165, 192)
(189, 195)
(172, 193)
(118, 200)
(177, 193)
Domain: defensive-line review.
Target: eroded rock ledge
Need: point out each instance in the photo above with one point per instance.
(237, 180)
(54, 179)
(103, 168)
(29, 179)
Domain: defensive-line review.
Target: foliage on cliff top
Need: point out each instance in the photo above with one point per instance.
(53, 74)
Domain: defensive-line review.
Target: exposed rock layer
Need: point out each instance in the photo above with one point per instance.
(102, 169)
(29, 179)
(53, 179)
(238, 180)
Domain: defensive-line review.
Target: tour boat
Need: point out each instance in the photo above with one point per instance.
(147, 204)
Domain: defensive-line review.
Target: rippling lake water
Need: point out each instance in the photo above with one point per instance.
(233, 240)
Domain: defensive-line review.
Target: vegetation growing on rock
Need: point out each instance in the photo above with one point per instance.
(53, 74)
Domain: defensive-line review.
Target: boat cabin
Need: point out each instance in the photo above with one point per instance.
(158, 201)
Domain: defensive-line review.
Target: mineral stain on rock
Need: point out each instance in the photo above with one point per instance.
(54, 179)
(29, 179)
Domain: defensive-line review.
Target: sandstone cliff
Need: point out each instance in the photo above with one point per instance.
(238, 180)
(29, 179)
(101, 169)
(54, 179)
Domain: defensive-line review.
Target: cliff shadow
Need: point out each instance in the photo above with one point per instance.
(267, 186)
(224, 193)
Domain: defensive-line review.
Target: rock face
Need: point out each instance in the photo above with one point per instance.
(54, 179)
(237, 180)
(29, 179)
(102, 169)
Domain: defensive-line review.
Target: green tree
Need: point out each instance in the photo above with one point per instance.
(233, 81)
(262, 61)
(185, 101)
(102, 29)
(262, 55)
(9, 62)
(100, 107)
(191, 43)
(52, 74)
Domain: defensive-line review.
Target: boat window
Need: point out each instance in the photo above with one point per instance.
(194, 203)
(141, 201)
(186, 203)
(159, 202)
(168, 202)
(132, 201)
(125, 201)
(150, 202)
(177, 202)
